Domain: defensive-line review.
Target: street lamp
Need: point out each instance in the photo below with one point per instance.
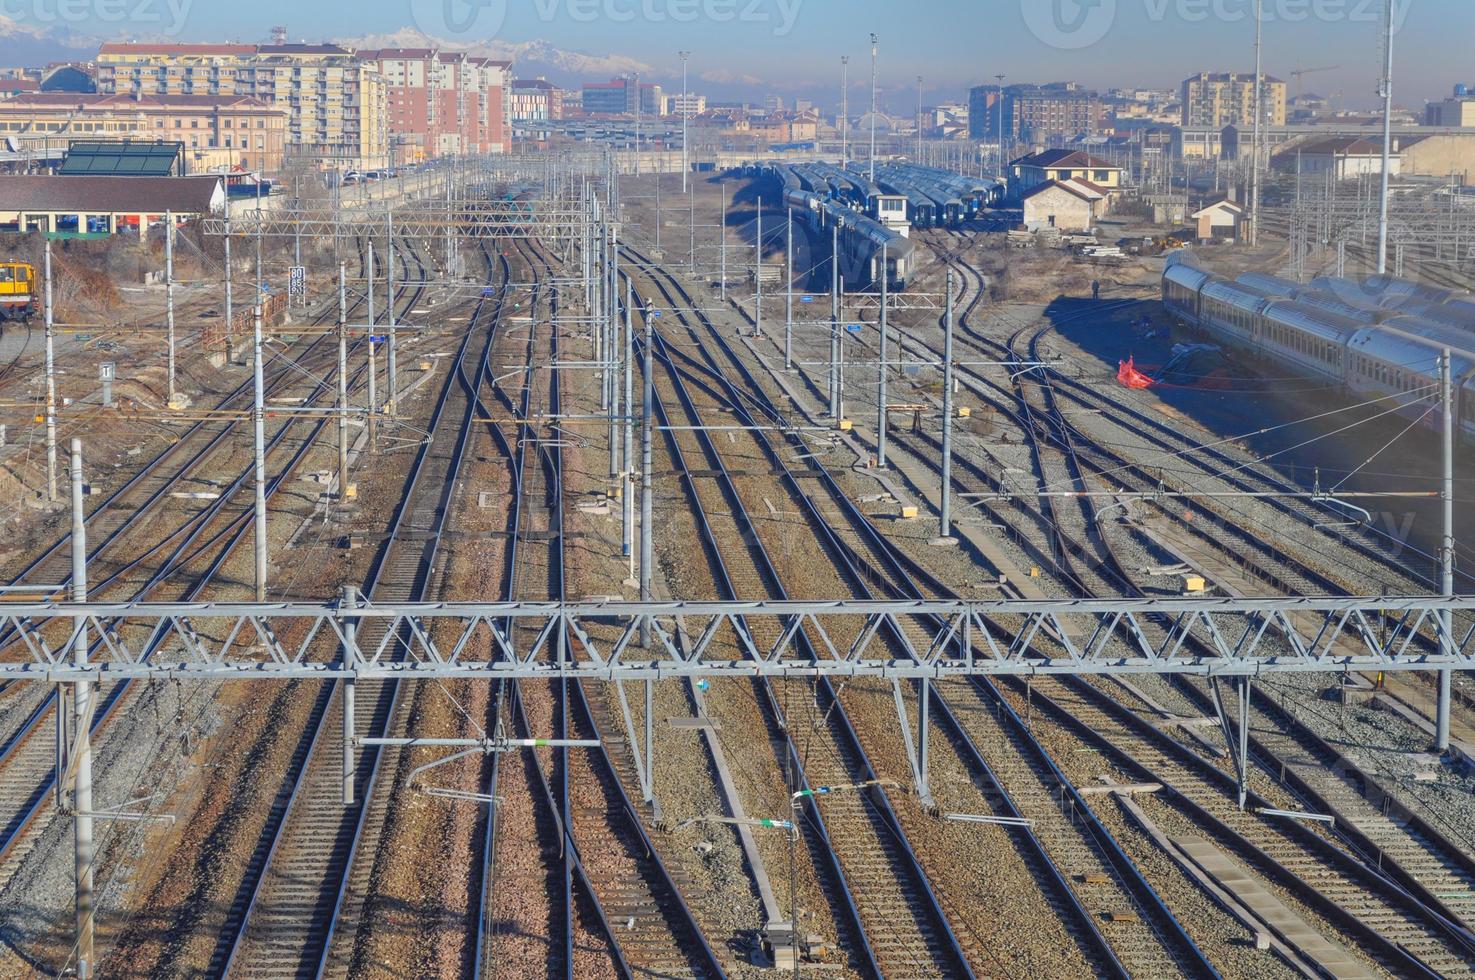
(875, 40)
(919, 120)
(844, 109)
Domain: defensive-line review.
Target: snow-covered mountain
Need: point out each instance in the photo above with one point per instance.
(29, 45)
(531, 58)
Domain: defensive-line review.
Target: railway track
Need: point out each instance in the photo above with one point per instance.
(291, 900)
(25, 758)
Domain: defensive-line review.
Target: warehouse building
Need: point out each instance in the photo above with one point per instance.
(95, 207)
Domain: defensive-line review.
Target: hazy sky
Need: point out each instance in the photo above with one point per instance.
(796, 44)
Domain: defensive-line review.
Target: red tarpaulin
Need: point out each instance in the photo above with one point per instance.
(1128, 374)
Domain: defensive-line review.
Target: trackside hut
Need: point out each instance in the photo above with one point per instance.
(68, 207)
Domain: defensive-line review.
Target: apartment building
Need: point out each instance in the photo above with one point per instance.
(1034, 113)
(536, 99)
(335, 102)
(444, 103)
(1214, 100)
(218, 132)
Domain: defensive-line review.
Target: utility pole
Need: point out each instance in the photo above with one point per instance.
(350, 630)
(835, 322)
(230, 322)
(647, 490)
(758, 274)
(297, 227)
(80, 752)
(393, 380)
(169, 296)
(685, 115)
(722, 240)
(1446, 549)
(1000, 79)
(1385, 89)
(789, 298)
(1259, 110)
(627, 484)
(945, 510)
(844, 109)
(373, 352)
(50, 316)
(875, 41)
(342, 382)
(613, 346)
(881, 387)
(658, 207)
(258, 422)
(635, 78)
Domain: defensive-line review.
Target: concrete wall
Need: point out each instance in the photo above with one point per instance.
(1442, 155)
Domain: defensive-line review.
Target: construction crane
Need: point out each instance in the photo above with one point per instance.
(1300, 73)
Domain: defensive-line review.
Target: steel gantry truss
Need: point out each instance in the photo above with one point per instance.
(850, 638)
(472, 216)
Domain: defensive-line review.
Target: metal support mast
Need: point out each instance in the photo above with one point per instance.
(342, 382)
(1258, 103)
(393, 375)
(258, 424)
(789, 297)
(685, 116)
(1446, 548)
(758, 274)
(945, 509)
(50, 316)
(875, 41)
(1385, 89)
(169, 296)
(881, 369)
(79, 761)
(835, 407)
(647, 489)
(844, 109)
(373, 350)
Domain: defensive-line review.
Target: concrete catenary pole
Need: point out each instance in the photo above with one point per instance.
(789, 297)
(83, 852)
(230, 311)
(391, 362)
(1257, 102)
(49, 312)
(342, 382)
(1446, 548)
(647, 490)
(835, 322)
(945, 510)
(881, 369)
(722, 240)
(373, 351)
(169, 295)
(258, 423)
(627, 485)
(758, 273)
(1385, 89)
(349, 657)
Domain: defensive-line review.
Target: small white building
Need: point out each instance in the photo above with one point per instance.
(1344, 157)
(1219, 220)
(1069, 205)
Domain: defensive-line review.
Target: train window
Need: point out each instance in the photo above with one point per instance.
(7, 273)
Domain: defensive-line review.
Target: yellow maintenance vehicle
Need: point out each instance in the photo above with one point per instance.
(17, 291)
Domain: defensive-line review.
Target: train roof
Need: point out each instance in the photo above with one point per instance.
(1235, 294)
(1270, 285)
(1314, 320)
(1392, 286)
(1406, 350)
(1186, 274)
(1330, 303)
(1443, 334)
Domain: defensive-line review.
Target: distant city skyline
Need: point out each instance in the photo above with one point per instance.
(793, 47)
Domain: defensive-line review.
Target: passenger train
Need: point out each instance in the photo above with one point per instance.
(1378, 339)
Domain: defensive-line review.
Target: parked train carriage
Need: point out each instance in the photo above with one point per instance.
(1452, 316)
(1331, 304)
(1182, 283)
(1231, 312)
(1392, 290)
(1433, 330)
(1349, 292)
(1404, 368)
(1312, 340)
(1270, 285)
